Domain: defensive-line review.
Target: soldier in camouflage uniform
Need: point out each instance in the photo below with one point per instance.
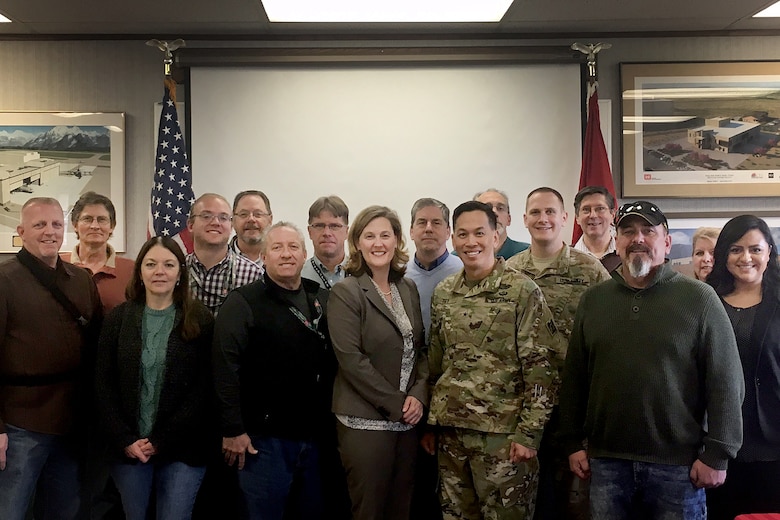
(563, 274)
(494, 378)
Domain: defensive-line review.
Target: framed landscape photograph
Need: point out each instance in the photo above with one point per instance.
(60, 155)
(682, 226)
(706, 129)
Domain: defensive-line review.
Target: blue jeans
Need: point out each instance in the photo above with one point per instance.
(625, 489)
(282, 480)
(31, 456)
(176, 485)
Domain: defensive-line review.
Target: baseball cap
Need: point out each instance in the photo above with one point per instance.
(642, 208)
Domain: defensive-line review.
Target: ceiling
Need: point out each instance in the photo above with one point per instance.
(245, 19)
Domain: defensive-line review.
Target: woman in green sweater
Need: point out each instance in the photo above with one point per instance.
(153, 381)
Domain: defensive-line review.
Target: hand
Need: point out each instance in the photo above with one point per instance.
(236, 448)
(704, 476)
(579, 465)
(428, 443)
(141, 449)
(413, 410)
(519, 453)
(3, 449)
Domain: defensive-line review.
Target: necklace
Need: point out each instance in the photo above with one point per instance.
(386, 293)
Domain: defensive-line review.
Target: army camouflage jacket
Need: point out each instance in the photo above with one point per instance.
(563, 282)
(491, 356)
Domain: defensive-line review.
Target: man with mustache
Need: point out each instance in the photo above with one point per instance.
(655, 389)
(251, 215)
(328, 227)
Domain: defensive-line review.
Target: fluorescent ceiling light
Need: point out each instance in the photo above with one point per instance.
(399, 11)
(773, 11)
(3, 19)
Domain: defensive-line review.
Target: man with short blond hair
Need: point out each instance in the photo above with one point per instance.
(563, 275)
(50, 313)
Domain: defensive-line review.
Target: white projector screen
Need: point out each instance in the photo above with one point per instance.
(387, 135)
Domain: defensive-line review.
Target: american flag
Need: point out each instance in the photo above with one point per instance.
(172, 193)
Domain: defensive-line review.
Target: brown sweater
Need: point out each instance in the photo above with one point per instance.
(42, 347)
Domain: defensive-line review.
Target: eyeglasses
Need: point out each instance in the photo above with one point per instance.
(89, 219)
(320, 227)
(498, 207)
(256, 214)
(598, 210)
(208, 217)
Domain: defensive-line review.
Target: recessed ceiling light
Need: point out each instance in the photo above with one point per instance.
(399, 11)
(3, 19)
(773, 11)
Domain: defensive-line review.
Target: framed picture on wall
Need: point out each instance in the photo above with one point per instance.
(682, 226)
(60, 155)
(706, 129)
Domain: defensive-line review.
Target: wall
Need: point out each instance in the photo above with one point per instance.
(126, 76)
(93, 76)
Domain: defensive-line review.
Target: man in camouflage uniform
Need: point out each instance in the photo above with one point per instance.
(493, 375)
(563, 274)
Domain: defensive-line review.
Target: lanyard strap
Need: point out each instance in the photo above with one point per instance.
(320, 273)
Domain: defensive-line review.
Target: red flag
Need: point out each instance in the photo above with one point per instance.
(595, 162)
(172, 193)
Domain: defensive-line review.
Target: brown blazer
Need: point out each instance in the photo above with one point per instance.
(368, 346)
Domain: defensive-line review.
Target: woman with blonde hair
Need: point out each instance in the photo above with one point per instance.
(703, 253)
(380, 390)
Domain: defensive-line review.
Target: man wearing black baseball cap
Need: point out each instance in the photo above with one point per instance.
(655, 389)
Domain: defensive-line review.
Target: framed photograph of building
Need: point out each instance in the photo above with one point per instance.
(60, 155)
(706, 129)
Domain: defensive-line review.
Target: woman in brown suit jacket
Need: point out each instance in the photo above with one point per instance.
(381, 386)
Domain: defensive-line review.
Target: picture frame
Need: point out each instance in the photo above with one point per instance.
(683, 225)
(700, 129)
(60, 155)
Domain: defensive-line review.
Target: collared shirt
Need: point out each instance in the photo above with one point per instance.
(211, 286)
(436, 263)
(314, 269)
(580, 245)
(111, 279)
(234, 247)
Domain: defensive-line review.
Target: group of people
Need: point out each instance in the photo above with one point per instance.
(498, 380)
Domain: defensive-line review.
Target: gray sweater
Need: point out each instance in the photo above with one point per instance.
(653, 375)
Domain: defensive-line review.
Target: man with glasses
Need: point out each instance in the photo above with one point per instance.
(328, 226)
(499, 201)
(594, 207)
(652, 382)
(251, 215)
(215, 269)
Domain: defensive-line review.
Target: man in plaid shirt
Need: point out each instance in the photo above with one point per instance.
(214, 268)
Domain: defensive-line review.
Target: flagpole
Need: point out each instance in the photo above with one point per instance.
(595, 169)
(172, 194)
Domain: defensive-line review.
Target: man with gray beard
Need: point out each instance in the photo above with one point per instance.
(656, 389)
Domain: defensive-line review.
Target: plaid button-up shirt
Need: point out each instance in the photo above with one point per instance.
(211, 286)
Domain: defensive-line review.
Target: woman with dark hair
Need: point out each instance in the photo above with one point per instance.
(377, 332)
(746, 276)
(94, 218)
(153, 386)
